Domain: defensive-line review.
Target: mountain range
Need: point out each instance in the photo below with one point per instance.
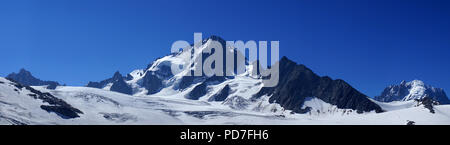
(299, 91)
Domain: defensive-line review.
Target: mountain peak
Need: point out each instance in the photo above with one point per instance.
(284, 58)
(25, 77)
(215, 37)
(416, 83)
(415, 89)
(24, 71)
(117, 75)
(403, 82)
(297, 82)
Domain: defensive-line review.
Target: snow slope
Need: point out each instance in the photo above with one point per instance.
(105, 107)
(17, 107)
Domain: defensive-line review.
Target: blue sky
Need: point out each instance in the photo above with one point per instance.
(368, 43)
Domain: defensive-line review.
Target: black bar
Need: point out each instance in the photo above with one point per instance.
(285, 134)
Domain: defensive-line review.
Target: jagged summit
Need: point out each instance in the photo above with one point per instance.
(24, 72)
(215, 37)
(412, 90)
(117, 76)
(25, 77)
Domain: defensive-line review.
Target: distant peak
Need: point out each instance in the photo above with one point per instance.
(117, 76)
(23, 71)
(215, 37)
(25, 77)
(285, 60)
(416, 83)
(415, 89)
(403, 82)
(117, 73)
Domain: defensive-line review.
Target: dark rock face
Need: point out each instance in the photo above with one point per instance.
(56, 105)
(185, 82)
(428, 103)
(409, 122)
(25, 77)
(164, 71)
(152, 83)
(95, 85)
(198, 91)
(63, 112)
(202, 89)
(298, 82)
(338, 92)
(402, 92)
(222, 95)
(121, 86)
(118, 84)
(103, 83)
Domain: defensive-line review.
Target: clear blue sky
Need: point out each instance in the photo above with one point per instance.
(370, 44)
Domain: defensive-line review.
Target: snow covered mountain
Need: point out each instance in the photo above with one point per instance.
(296, 83)
(415, 89)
